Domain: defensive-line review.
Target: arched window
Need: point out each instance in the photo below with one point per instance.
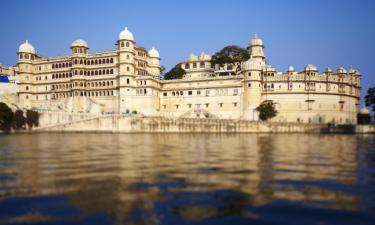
(128, 68)
(81, 61)
(88, 62)
(70, 74)
(127, 44)
(96, 61)
(100, 72)
(100, 61)
(111, 61)
(122, 44)
(53, 65)
(112, 83)
(66, 64)
(75, 61)
(70, 64)
(111, 71)
(63, 65)
(53, 76)
(107, 61)
(75, 72)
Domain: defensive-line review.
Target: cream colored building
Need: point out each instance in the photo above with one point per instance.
(127, 79)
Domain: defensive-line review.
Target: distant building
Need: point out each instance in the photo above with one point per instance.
(128, 79)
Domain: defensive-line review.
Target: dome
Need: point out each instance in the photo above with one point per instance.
(126, 35)
(328, 70)
(290, 69)
(252, 64)
(352, 70)
(79, 43)
(27, 48)
(256, 41)
(341, 70)
(192, 57)
(153, 53)
(310, 67)
(364, 110)
(204, 56)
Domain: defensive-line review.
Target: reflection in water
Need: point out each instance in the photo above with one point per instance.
(187, 179)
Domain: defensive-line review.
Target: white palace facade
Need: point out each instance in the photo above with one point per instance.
(127, 79)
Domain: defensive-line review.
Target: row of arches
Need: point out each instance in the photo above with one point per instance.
(83, 93)
(93, 61)
(61, 65)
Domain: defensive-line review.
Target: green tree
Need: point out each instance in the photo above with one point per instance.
(19, 119)
(267, 110)
(175, 73)
(370, 99)
(230, 54)
(32, 118)
(162, 69)
(6, 117)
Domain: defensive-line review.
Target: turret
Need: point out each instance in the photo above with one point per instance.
(126, 51)
(26, 55)
(154, 63)
(252, 71)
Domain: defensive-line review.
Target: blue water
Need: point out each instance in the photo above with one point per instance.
(187, 179)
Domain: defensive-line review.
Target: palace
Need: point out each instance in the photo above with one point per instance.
(127, 79)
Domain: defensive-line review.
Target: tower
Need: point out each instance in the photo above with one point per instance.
(78, 59)
(252, 71)
(26, 55)
(154, 63)
(126, 78)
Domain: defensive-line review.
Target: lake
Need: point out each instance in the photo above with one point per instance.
(76, 178)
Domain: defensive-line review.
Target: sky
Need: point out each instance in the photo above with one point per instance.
(326, 33)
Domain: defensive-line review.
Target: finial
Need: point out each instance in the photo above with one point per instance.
(256, 35)
(27, 41)
(153, 47)
(126, 28)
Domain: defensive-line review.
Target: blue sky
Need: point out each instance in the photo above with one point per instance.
(326, 33)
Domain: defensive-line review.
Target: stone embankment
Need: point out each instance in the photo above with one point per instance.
(62, 122)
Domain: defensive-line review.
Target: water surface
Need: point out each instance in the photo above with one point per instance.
(187, 179)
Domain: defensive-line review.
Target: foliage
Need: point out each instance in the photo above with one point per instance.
(134, 112)
(19, 119)
(162, 69)
(6, 117)
(267, 110)
(230, 54)
(32, 118)
(175, 73)
(370, 98)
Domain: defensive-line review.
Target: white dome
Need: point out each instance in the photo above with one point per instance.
(341, 70)
(328, 70)
(364, 110)
(126, 35)
(79, 43)
(290, 69)
(153, 53)
(252, 64)
(27, 48)
(256, 41)
(311, 67)
(204, 56)
(192, 57)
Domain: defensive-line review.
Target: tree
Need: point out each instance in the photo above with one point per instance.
(32, 118)
(230, 54)
(175, 73)
(162, 69)
(19, 119)
(370, 99)
(6, 117)
(267, 110)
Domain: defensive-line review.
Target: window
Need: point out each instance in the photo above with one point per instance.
(187, 66)
(189, 105)
(127, 44)
(122, 44)
(201, 65)
(190, 92)
(165, 94)
(194, 65)
(235, 104)
(177, 106)
(220, 105)
(249, 85)
(127, 81)
(27, 88)
(207, 92)
(235, 91)
(207, 105)
(198, 92)
(128, 68)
